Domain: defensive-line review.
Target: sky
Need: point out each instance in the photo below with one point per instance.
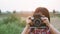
(29, 5)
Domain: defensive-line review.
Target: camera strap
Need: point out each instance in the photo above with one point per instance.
(40, 31)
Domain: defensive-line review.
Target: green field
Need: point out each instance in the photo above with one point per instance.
(12, 25)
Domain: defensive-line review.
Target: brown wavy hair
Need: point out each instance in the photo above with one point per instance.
(44, 11)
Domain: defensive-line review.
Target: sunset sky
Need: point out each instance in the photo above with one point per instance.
(29, 5)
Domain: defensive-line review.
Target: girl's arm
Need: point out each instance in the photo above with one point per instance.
(52, 29)
(26, 30)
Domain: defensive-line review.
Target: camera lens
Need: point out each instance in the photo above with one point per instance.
(37, 22)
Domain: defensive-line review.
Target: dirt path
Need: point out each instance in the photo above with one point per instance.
(56, 22)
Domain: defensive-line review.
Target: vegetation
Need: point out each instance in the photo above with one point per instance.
(11, 25)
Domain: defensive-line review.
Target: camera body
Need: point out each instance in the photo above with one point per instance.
(36, 21)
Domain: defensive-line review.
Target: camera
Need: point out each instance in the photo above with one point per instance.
(36, 21)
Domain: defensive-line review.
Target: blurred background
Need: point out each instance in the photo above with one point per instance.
(13, 14)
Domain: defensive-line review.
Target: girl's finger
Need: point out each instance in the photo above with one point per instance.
(44, 18)
(28, 19)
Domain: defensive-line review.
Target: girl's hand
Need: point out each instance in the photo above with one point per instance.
(28, 21)
(45, 20)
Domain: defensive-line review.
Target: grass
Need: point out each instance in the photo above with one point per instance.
(11, 25)
(10, 29)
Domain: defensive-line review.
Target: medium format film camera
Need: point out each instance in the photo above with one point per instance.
(36, 21)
